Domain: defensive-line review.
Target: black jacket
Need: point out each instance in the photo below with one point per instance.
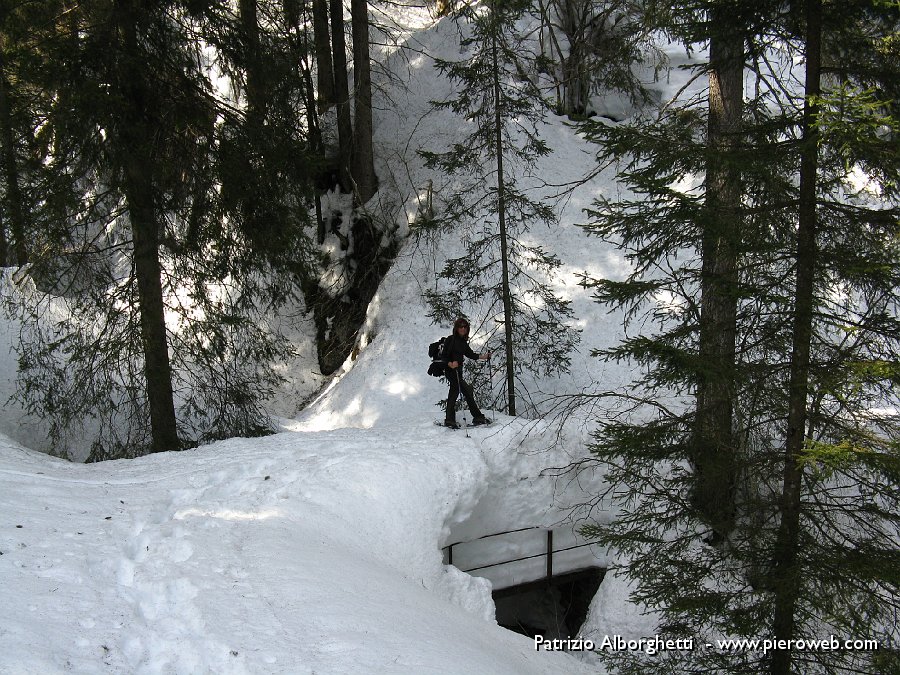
(456, 348)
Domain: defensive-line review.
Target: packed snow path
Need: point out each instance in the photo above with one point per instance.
(297, 553)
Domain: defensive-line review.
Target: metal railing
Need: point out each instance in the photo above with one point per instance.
(548, 553)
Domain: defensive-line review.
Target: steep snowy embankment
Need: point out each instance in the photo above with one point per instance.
(297, 553)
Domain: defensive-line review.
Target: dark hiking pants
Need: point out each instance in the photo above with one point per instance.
(455, 378)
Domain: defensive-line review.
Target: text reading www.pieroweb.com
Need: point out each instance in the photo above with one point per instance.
(655, 644)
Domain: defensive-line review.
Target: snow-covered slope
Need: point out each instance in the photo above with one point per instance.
(297, 553)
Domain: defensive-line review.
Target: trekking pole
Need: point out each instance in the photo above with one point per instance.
(463, 394)
(490, 353)
(491, 369)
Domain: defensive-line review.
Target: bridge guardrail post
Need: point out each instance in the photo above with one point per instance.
(549, 555)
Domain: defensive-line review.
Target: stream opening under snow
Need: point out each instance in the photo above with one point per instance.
(554, 608)
(543, 580)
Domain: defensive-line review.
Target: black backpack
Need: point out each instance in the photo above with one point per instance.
(438, 353)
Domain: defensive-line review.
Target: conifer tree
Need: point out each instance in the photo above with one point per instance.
(345, 279)
(363, 158)
(341, 93)
(173, 255)
(12, 190)
(497, 273)
(324, 67)
(20, 175)
(714, 448)
(833, 441)
(812, 544)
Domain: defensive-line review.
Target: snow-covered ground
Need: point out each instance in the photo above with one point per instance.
(318, 549)
(304, 552)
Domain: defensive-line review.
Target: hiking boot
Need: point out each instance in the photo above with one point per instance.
(481, 419)
(451, 423)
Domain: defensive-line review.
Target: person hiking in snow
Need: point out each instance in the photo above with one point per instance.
(456, 348)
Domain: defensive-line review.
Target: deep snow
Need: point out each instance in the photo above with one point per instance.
(298, 553)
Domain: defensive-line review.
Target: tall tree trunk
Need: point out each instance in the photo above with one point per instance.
(292, 16)
(257, 94)
(4, 248)
(256, 87)
(324, 67)
(364, 179)
(148, 271)
(341, 92)
(574, 16)
(501, 217)
(714, 448)
(14, 204)
(136, 158)
(786, 571)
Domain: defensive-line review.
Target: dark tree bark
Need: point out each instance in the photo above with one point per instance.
(787, 574)
(363, 168)
(341, 93)
(15, 210)
(256, 90)
(4, 248)
(574, 21)
(501, 217)
(324, 67)
(256, 87)
(714, 447)
(136, 133)
(292, 16)
(148, 272)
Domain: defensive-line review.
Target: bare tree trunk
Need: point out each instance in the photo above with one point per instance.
(256, 87)
(363, 169)
(786, 571)
(324, 68)
(256, 91)
(341, 93)
(574, 16)
(501, 216)
(292, 16)
(148, 272)
(137, 160)
(14, 206)
(4, 248)
(714, 445)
